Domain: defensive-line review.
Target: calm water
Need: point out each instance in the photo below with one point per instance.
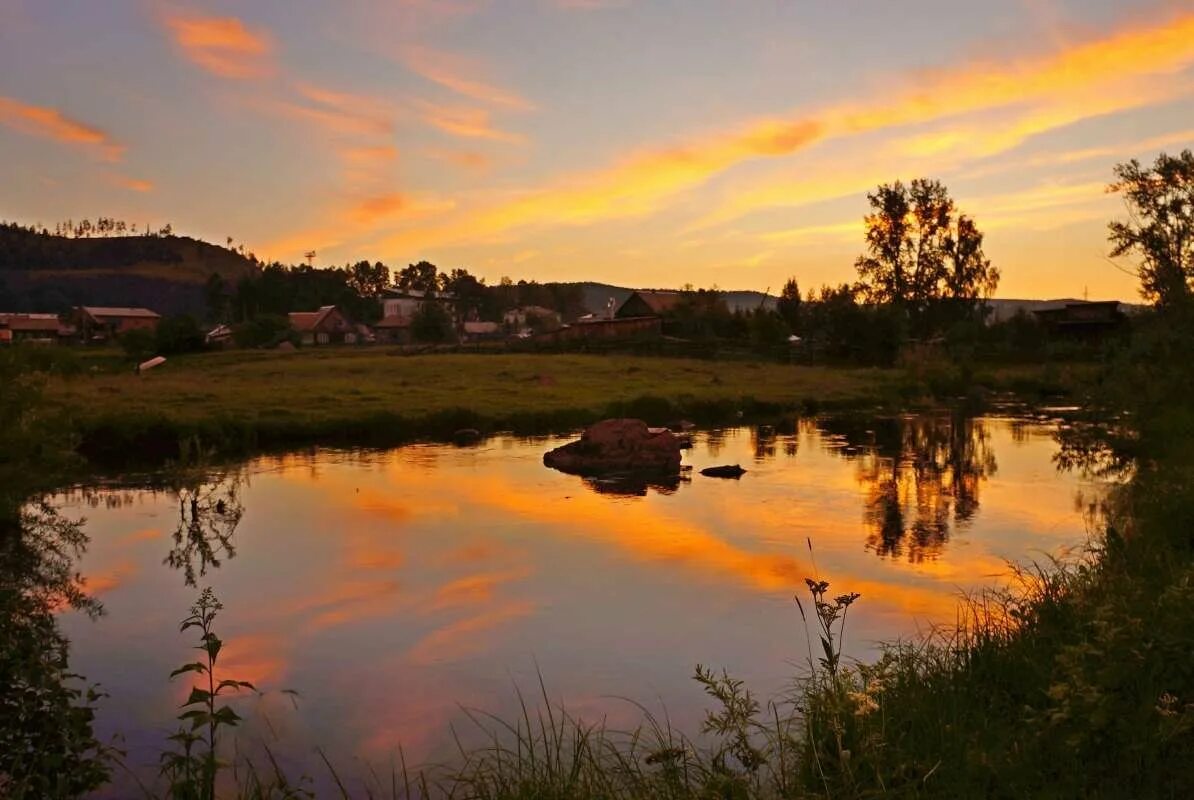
(390, 589)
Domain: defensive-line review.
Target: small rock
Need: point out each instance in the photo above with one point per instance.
(618, 446)
(466, 436)
(725, 471)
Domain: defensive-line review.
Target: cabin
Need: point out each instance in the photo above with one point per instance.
(393, 329)
(33, 328)
(602, 328)
(480, 330)
(328, 325)
(220, 337)
(101, 324)
(1086, 321)
(527, 318)
(647, 303)
(406, 302)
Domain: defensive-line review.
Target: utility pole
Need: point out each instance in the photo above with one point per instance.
(310, 256)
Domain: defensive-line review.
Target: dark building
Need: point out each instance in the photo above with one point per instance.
(1087, 321)
(646, 303)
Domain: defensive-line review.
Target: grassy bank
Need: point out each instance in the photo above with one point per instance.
(239, 401)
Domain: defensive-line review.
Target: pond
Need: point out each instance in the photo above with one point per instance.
(394, 590)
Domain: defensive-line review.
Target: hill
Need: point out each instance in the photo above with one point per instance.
(46, 272)
(596, 295)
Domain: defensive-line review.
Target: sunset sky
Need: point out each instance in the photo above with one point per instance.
(639, 142)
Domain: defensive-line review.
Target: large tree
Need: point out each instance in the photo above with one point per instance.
(1160, 231)
(368, 280)
(920, 250)
(788, 304)
(423, 276)
(969, 274)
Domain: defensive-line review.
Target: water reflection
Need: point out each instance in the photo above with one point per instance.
(922, 477)
(209, 509)
(449, 572)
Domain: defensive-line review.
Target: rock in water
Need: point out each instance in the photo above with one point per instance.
(618, 445)
(727, 471)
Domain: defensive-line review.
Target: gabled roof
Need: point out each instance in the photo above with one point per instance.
(309, 320)
(32, 322)
(415, 294)
(658, 301)
(100, 312)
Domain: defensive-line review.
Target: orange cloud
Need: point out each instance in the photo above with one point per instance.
(465, 637)
(51, 124)
(471, 160)
(454, 73)
(373, 208)
(223, 46)
(1112, 73)
(133, 184)
(464, 122)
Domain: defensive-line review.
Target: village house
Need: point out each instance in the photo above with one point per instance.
(100, 324)
(478, 330)
(647, 303)
(328, 325)
(393, 329)
(407, 302)
(1088, 321)
(525, 318)
(34, 328)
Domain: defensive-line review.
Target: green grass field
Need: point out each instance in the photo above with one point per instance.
(240, 400)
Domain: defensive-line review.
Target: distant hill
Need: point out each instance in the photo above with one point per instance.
(45, 272)
(596, 295)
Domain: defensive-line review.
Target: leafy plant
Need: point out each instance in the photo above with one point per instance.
(192, 769)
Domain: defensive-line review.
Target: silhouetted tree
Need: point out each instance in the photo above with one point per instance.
(368, 280)
(423, 276)
(431, 323)
(1160, 232)
(788, 304)
(215, 295)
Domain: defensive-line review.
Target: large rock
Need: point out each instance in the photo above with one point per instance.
(618, 446)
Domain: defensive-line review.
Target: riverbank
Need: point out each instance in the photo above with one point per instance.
(243, 401)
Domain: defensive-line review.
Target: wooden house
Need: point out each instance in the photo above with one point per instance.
(36, 328)
(328, 325)
(101, 323)
(1088, 321)
(393, 329)
(648, 303)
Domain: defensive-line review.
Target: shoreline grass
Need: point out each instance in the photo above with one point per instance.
(244, 401)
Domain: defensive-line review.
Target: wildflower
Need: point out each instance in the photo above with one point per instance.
(863, 703)
(1166, 705)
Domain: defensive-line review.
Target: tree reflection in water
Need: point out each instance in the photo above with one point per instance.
(921, 476)
(209, 509)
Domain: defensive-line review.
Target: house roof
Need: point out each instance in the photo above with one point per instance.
(658, 301)
(107, 311)
(32, 322)
(309, 320)
(393, 321)
(416, 294)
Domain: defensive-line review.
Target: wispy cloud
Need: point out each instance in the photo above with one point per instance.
(461, 76)
(50, 123)
(133, 184)
(1117, 71)
(472, 160)
(464, 122)
(223, 46)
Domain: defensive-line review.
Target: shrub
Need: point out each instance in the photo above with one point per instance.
(180, 334)
(139, 344)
